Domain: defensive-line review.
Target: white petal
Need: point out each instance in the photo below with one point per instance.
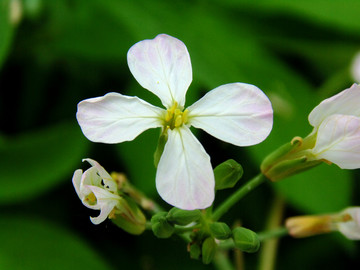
(105, 211)
(338, 141)
(237, 113)
(346, 102)
(76, 180)
(184, 177)
(108, 182)
(115, 118)
(351, 229)
(162, 65)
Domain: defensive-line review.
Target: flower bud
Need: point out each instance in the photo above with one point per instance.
(208, 250)
(220, 230)
(183, 217)
(195, 251)
(304, 226)
(246, 240)
(160, 226)
(227, 174)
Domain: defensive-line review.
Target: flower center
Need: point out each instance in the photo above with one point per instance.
(174, 117)
(91, 199)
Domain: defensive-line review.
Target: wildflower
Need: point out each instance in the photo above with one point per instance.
(236, 113)
(97, 190)
(346, 222)
(335, 138)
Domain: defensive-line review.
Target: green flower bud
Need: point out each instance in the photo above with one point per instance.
(246, 240)
(195, 251)
(208, 250)
(220, 230)
(160, 226)
(183, 217)
(227, 174)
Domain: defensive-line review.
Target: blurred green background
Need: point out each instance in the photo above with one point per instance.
(56, 53)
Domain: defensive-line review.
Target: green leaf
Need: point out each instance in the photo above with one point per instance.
(35, 162)
(324, 189)
(6, 30)
(338, 14)
(28, 243)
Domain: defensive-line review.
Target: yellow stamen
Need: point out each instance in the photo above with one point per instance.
(174, 117)
(91, 198)
(178, 121)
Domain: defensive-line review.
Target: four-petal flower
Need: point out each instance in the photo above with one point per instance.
(237, 113)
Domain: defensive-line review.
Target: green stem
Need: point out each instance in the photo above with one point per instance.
(222, 262)
(267, 257)
(239, 194)
(263, 236)
(276, 233)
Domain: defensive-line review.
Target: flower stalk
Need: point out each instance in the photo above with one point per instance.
(238, 195)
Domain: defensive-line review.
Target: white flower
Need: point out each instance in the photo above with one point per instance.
(237, 113)
(336, 123)
(350, 224)
(97, 190)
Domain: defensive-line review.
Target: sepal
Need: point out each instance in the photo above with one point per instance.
(160, 226)
(220, 230)
(183, 217)
(128, 217)
(209, 247)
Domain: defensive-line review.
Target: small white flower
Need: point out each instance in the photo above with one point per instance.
(336, 123)
(237, 113)
(350, 223)
(97, 190)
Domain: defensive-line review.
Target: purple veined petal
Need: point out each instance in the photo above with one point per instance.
(115, 118)
(346, 102)
(162, 65)
(236, 113)
(338, 141)
(184, 176)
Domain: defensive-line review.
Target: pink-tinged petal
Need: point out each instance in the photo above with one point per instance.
(184, 176)
(162, 65)
(338, 141)
(115, 118)
(346, 102)
(236, 113)
(351, 228)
